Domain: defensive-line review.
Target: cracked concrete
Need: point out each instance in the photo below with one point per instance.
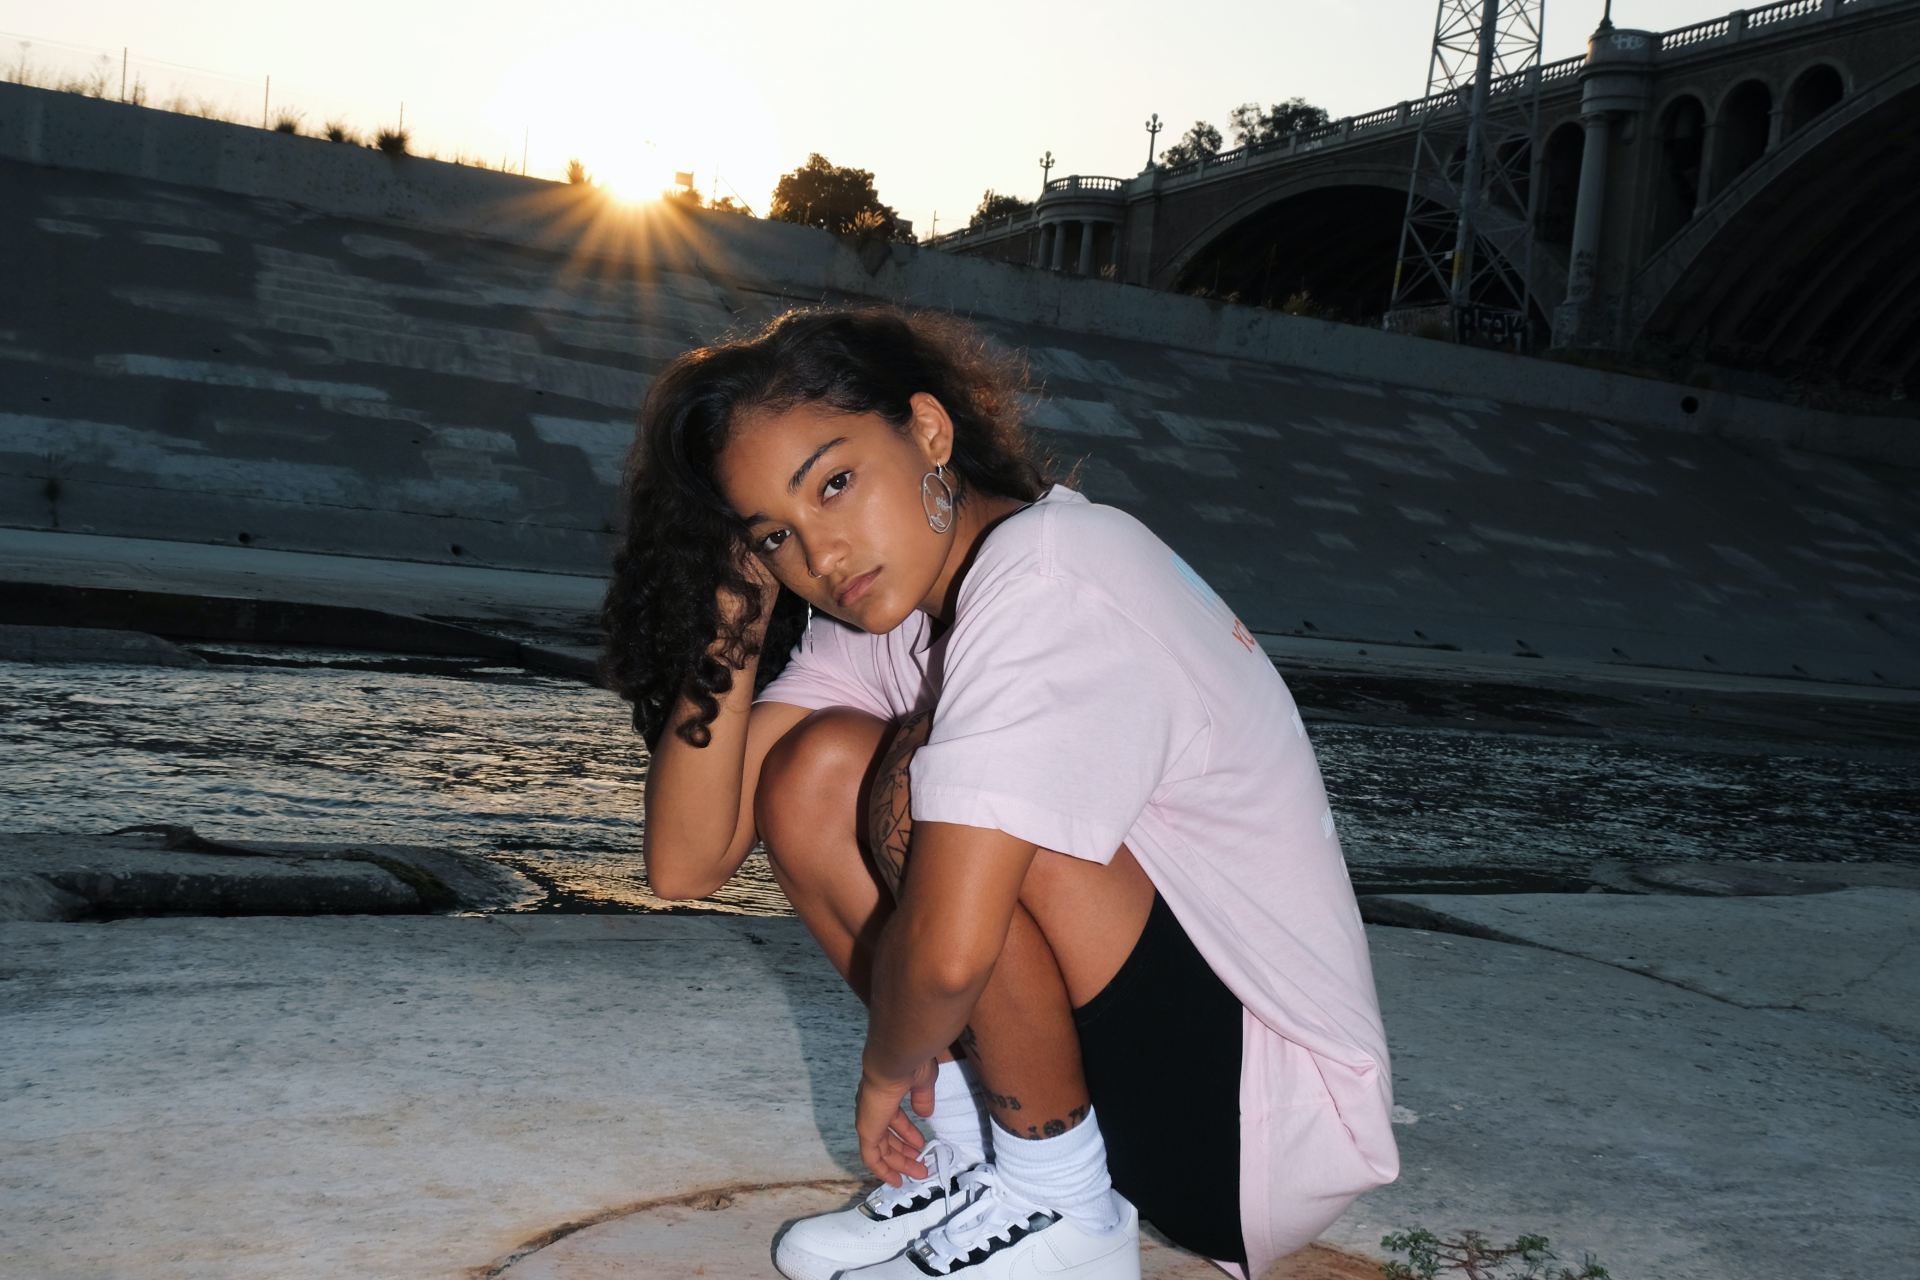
(1753, 952)
(454, 1097)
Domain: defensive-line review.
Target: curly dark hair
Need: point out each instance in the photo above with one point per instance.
(683, 544)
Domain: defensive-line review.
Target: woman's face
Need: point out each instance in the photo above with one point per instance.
(832, 506)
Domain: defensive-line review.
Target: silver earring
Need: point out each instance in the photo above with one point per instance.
(937, 505)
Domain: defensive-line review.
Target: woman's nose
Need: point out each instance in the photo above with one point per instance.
(821, 559)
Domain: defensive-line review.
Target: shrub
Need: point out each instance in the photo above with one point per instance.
(393, 141)
(338, 132)
(1474, 1256)
(287, 122)
(577, 174)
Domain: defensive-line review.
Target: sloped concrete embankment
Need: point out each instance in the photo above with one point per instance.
(279, 343)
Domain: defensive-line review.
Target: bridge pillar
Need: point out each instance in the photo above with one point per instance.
(1086, 247)
(1059, 247)
(1574, 322)
(1613, 82)
(1709, 145)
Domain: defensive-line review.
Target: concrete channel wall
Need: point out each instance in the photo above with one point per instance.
(216, 333)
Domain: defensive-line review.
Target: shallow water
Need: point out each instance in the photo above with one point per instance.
(544, 774)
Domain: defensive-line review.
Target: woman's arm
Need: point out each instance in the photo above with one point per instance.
(699, 800)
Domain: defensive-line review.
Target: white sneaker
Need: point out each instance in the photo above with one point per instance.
(997, 1236)
(880, 1227)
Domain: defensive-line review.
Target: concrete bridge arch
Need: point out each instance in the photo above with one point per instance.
(1804, 258)
(1349, 274)
(1270, 243)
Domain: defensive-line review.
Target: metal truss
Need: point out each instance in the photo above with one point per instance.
(1466, 245)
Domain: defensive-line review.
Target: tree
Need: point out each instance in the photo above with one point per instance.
(1252, 125)
(822, 194)
(1202, 142)
(994, 206)
(577, 174)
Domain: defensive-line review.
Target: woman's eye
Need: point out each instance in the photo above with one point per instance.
(842, 478)
(768, 545)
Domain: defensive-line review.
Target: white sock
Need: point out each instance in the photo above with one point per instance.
(1066, 1173)
(959, 1112)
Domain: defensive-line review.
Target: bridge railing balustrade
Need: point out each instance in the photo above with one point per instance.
(1084, 182)
(1785, 11)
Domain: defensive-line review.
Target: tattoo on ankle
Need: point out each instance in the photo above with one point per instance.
(1054, 1128)
(1004, 1101)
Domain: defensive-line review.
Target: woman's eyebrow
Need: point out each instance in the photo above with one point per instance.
(799, 476)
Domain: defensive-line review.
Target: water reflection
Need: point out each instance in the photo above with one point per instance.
(544, 775)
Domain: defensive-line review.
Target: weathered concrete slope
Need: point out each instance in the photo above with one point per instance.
(188, 363)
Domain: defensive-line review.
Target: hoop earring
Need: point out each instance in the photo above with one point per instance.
(938, 506)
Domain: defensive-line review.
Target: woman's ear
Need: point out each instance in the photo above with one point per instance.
(931, 427)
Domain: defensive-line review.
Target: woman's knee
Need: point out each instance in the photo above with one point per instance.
(809, 790)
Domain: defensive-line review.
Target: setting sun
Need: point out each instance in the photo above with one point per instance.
(636, 106)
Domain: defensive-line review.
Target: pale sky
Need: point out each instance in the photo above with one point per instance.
(940, 104)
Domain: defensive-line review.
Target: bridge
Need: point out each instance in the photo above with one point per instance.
(1741, 192)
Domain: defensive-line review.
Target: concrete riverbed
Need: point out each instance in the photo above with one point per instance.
(1695, 1060)
(1689, 1089)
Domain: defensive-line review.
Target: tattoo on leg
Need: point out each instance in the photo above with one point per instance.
(1054, 1128)
(1004, 1101)
(888, 822)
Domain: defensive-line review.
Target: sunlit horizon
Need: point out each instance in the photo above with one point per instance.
(939, 107)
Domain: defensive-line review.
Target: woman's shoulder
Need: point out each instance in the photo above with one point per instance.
(1065, 535)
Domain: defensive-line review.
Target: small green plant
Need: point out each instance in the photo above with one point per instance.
(1474, 1256)
(393, 141)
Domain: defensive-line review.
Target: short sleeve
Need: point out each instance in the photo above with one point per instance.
(826, 671)
(1059, 718)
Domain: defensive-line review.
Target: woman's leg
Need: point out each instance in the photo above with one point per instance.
(806, 811)
(838, 781)
(835, 790)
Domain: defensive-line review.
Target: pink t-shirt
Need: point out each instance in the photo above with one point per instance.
(1094, 691)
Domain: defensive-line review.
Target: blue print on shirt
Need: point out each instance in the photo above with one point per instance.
(1198, 585)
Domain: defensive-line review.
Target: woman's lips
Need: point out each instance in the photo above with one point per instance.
(857, 588)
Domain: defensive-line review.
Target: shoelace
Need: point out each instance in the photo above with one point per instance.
(991, 1212)
(938, 1155)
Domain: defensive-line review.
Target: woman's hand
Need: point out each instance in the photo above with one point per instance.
(889, 1142)
(757, 572)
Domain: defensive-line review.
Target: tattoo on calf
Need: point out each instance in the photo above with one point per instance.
(1004, 1101)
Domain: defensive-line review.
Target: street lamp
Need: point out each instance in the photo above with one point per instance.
(1046, 167)
(1153, 135)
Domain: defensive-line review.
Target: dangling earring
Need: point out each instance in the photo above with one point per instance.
(937, 505)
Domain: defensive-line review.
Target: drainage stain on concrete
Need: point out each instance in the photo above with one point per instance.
(730, 1231)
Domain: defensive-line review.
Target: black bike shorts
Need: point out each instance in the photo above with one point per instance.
(1160, 1045)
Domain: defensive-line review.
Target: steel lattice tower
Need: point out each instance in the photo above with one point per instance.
(1466, 245)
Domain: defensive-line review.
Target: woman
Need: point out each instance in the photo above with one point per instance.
(1035, 791)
